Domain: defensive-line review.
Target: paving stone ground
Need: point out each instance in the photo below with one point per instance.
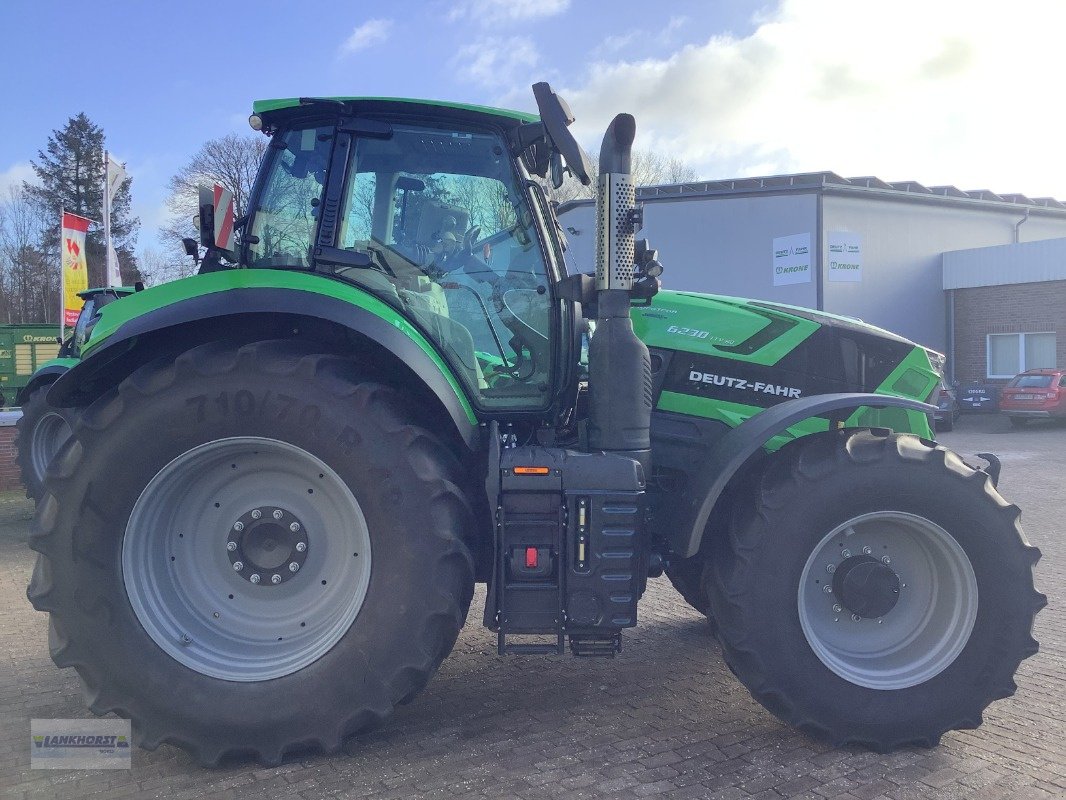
(665, 718)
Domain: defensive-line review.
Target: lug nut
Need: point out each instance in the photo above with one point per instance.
(827, 589)
(254, 577)
(293, 566)
(277, 513)
(238, 526)
(238, 565)
(830, 568)
(300, 546)
(846, 553)
(231, 546)
(886, 560)
(275, 578)
(866, 550)
(295, 526)
(838, 608)
(855, 617)
(257, 514)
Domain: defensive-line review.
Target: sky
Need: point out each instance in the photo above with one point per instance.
(936, 91)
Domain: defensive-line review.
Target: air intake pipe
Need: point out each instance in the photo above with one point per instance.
(620, 388)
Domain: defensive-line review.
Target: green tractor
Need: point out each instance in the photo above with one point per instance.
(43, 429)
(287, 473)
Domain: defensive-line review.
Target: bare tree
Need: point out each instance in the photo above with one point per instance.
(29, 289)
(649, 169)
(158, 267)
(231, 161)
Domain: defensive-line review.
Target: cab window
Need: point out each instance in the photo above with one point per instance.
(283, 224)
(452, 242)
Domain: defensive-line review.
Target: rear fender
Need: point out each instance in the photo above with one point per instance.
(149, 325)
(739, 445)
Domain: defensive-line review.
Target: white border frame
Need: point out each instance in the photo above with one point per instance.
(1021, 351)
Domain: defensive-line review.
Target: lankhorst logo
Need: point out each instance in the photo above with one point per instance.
(80, 744)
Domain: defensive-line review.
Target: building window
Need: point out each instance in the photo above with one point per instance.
(1011, 353)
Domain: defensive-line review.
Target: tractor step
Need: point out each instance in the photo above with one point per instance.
(596, 646)
(505, 648)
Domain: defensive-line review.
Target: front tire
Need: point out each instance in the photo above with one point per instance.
(42, 432)
(139, 549)
(875, 590)
(687, 577)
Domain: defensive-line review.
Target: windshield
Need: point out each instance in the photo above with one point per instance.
(451, 240)
(1031, 382)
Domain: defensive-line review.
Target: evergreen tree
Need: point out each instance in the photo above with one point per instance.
(70, 171)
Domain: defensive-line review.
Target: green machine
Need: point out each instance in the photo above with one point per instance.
(287, 472)
(23, 350)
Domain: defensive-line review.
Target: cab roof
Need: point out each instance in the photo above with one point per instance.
(269, 108)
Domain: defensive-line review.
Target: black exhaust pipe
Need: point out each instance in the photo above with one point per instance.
(620, 387)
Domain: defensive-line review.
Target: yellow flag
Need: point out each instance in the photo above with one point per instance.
(75, 268)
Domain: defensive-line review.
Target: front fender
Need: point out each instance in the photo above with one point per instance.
(48, 373)
(732, 451)
(150, 318)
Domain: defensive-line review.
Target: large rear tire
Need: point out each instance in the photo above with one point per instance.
(875, 590)
(195, 477)
(42, 432)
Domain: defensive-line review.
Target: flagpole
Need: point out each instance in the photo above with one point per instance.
(62, 275)
(107, 220)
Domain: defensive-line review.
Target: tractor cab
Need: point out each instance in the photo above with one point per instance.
(433, 211)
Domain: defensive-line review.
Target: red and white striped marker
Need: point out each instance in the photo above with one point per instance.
(223, 200)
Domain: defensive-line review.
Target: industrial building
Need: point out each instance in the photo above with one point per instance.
(978, 276)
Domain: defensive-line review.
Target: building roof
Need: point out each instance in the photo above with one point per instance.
(831, 182)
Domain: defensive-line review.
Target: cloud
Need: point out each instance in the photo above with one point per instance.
(14, 175)
(496, 12)
(936, 92)
(370, 33)
(495, 63)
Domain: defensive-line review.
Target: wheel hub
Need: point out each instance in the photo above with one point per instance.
(267, 545)
(866, 586)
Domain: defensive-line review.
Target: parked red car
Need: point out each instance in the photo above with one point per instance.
(1036, 393)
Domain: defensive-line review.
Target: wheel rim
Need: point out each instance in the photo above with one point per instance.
(208, 525)
(49, 434)
(915, 582)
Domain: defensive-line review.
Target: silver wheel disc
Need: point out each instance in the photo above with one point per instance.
(914, 581)
(49, 435)
(246, 559)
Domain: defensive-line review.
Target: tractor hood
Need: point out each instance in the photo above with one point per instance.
(811, 350)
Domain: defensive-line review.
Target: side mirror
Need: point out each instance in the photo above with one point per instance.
(206, 218)
(191, 248)
(556, 117)
(409, 184)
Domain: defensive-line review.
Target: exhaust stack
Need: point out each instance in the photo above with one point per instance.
(620, 387)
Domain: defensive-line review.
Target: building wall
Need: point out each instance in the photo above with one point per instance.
(902, 241)
(1015, 308)
(721, 245)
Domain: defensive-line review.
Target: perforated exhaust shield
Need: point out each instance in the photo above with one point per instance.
(616, 198)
